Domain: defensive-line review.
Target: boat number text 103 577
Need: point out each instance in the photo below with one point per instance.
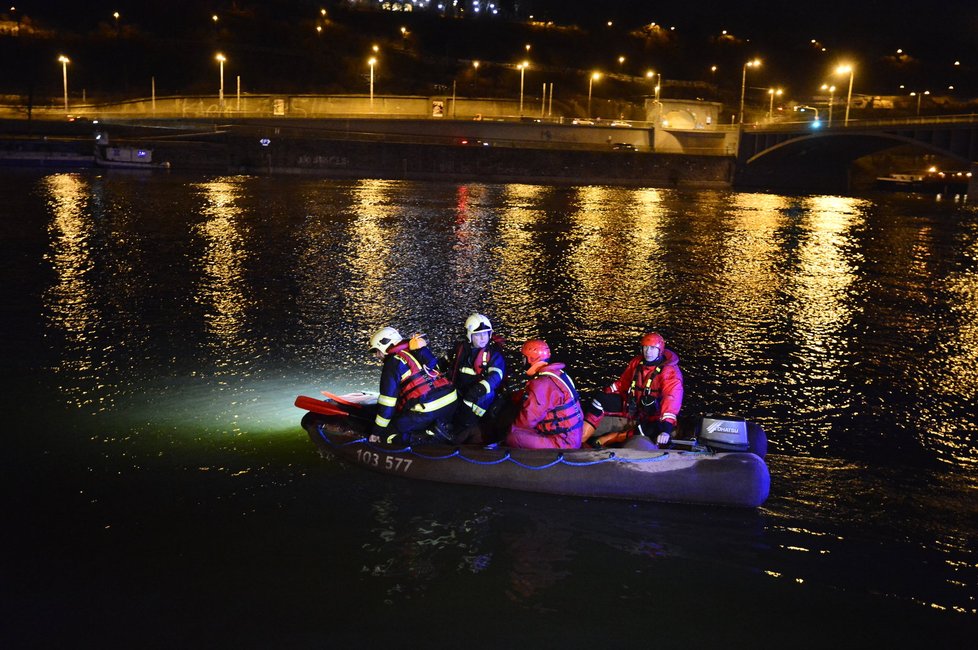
(390, 463)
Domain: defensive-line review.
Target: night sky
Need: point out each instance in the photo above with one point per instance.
(869, 33)
(831, 20)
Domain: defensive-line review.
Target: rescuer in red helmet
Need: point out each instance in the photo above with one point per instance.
(550, 413)
(646, 398)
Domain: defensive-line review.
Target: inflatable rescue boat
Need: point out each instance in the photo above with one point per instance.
(720, 462)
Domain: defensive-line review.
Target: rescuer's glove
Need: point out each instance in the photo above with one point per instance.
(475, 392)
(665, 433)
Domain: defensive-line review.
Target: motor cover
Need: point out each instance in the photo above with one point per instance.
(724, 432)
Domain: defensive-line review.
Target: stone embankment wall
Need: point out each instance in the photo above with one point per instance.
(350, 152)
(352, 159)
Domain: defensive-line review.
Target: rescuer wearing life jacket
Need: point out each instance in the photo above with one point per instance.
(550, 408)
(416, 402)
(645, 399)
(477, 369)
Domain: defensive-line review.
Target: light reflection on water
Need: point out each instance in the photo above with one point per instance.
(183, 316)
(70, 300)
(774, 293)
(222, 289)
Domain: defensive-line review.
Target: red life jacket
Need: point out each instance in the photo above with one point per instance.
(565, 417)
(480, 360)
(418, 381)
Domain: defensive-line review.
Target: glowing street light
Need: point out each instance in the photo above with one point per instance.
(919, 97)
(743, 86)
(652, 75)
(590, 83)
(221, 59)
(831, 90)
(64, 61)
(522, 66)
(770, 109)
(372, 61)
(847, 69)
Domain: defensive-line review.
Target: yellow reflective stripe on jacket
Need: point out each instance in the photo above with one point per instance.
(434, 405)
(478, 410)
(386, 400)
(485, 384)
(465, 370)
(496, 370)
(382, 422)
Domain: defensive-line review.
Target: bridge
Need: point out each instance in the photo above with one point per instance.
(801, 156)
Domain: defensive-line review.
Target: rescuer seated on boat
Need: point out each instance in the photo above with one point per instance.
(645, 399)
(416, 402)
(477, 369)
(550, 408)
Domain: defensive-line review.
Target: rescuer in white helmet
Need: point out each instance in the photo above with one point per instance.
(416, 402)
(477, 369)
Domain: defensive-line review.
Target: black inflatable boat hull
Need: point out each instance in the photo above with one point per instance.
(695, 477)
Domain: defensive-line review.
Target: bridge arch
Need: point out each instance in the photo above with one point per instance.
(783, 156)
(801, 144)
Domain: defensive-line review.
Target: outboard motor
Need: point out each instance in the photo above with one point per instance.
(723, 433)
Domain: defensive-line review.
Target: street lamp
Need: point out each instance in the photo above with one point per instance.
(831, 90)
(843, 69)
(743, 85)
(590, 83)
(221, 59)
(770, 109)
(64, 61)
(919, 97)
(522, 66)
(658, 84)
(372, 61)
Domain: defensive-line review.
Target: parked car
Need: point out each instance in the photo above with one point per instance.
(623, 146)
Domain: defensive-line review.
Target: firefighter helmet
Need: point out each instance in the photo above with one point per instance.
(384, 338)
(477, 323)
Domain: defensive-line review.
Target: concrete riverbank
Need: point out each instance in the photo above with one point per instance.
(343, 150)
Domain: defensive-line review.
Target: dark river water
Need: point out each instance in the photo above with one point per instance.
(159, 491)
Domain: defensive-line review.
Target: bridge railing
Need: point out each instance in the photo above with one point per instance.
(839, 124)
